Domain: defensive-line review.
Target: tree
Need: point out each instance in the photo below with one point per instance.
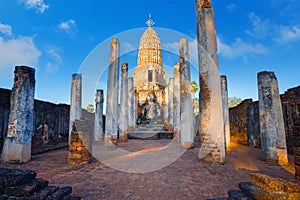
(195, 87)
(234, 101)
(195, 101)
(90, 108)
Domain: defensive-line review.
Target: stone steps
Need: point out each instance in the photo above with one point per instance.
(85, 129)
(150, 135)
(23, 184)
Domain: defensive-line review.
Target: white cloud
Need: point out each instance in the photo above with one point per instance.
(172, 47)
(279, 33)
(193, 50)
(53, 53)
(51, 67)
(67, 26)
(5, 29)
(19, 51)
(231, 7)
(288, 34)
(128, 47)
(38, 5)
(260, 28)
(239, 48)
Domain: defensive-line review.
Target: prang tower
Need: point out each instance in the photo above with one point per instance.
(150, 75)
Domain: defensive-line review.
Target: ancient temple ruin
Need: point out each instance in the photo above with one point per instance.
(149, 75)
(153, 105)
(150, 78)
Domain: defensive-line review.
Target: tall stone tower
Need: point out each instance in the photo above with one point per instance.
(149, 75)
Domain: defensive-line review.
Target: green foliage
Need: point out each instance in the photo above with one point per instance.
(195, 101)
(234, 101)
(195, 87)
(90, 108)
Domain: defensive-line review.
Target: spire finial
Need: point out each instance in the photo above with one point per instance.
(150, 22)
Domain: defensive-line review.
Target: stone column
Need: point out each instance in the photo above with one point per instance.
(186, 108)
(171, 103)
(273, 142)
(225, 110)
(17, 144)
(166, 108)
(111, 123)
(211, 112)
(98, 123)
(124, 103)
(176, 102)
(75, 101)
(135, 107)
(131, 104)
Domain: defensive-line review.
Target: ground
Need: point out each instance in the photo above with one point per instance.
(186, 178)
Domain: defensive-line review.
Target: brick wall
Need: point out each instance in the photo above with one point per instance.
(56, 116)
(244, 120)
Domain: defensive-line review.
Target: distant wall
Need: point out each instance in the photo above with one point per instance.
(244, 120)
(244, 123)
(4, 111)
(56, 116)
(290, 101)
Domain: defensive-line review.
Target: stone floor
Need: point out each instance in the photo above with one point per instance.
(186, 178)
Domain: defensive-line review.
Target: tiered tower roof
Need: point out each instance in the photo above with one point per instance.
(150, 47)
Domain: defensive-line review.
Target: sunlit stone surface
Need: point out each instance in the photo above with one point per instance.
(273, 142)
(186, 108)
(98, 124)
(124, 104)
(76, 100)
(211, 111)
(17, 144)
(112, 113)
(225, 109)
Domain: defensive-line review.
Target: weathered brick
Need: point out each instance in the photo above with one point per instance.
(256, 192)
(61, 194)
(267, 183)
(27, 189)
(292, 187)
(237, 195)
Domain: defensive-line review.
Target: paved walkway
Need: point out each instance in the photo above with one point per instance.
(186, 178)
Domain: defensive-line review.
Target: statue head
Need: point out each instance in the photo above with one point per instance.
(124, 67)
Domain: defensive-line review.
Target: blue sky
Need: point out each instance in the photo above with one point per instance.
(58, 38)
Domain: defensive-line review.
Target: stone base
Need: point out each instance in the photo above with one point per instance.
(187, 145)
(168, 126)
(277, 156)
(213, 159)
(78, 153)
(123, 137)
(15, 153)
(176, 135)
(111, 141)
(282, 156)
(98, 138)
